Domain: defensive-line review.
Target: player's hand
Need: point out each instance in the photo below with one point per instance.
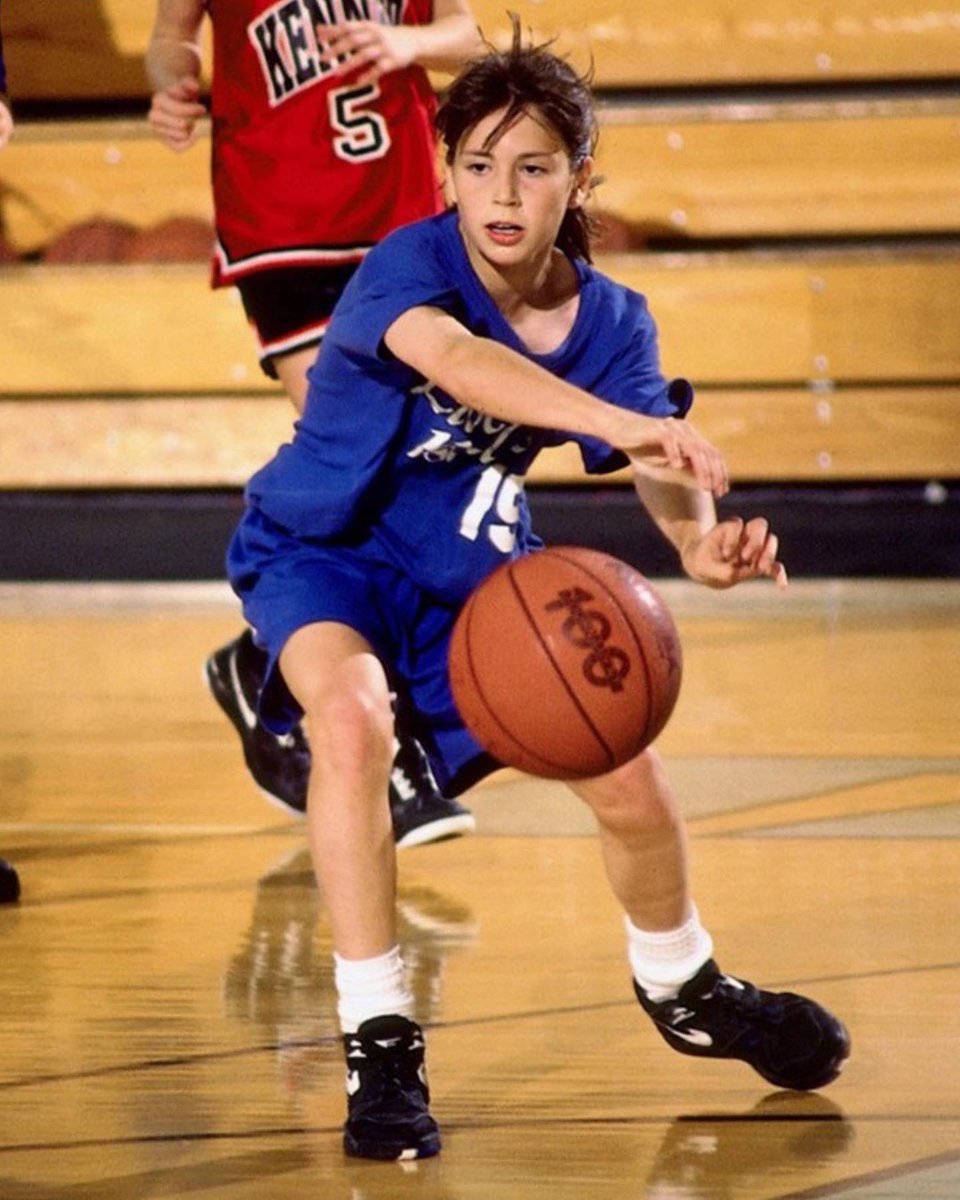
(667, 448)
(733, 551)
(6, 123)
(368, 47)
(174, 113)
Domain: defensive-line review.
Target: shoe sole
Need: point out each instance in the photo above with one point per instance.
(385, 1152)
(826, 1074)
(441, 830)
(281, 805)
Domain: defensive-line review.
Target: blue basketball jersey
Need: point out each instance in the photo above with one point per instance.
(386, 462)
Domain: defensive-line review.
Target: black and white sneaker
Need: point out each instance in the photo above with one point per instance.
(280, 766)
(420, 812)
(789, 1040)
(388, 1115)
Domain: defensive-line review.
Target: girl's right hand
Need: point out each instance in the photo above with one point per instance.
(174, 113)
(664, 447)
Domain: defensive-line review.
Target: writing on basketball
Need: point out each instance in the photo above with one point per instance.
(667, 646)
(588, 629)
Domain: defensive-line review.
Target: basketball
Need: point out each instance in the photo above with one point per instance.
(176, 239)
(99, 240)
(565, 663)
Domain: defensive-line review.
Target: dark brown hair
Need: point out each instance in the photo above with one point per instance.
(526, 79)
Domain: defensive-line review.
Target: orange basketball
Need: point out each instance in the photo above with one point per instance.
(565, 663)
(99, 240)
(174, 240)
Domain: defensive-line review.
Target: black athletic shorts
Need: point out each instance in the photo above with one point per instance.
(290, 307)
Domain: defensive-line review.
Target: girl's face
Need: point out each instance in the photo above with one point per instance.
(512, 196)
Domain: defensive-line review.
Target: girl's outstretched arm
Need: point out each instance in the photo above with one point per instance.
(716, 553)
(492, 378)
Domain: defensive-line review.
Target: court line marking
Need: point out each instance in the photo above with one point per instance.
(693, 1119)
(843, 1187)
(120, 828)
(185, 1060)
(868, 798)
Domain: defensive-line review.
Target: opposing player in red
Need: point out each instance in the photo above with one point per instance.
(322, 143)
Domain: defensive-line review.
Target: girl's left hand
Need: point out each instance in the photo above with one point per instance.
(367, 44)
(733, 551)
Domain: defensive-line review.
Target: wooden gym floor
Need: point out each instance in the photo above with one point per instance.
(167, 1026)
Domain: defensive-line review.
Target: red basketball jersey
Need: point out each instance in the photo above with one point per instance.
(310, 169)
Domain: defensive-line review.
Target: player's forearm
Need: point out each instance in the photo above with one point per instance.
(170, 61)
(174, 51)
(448, 42)
(681, 511)
(493, 379)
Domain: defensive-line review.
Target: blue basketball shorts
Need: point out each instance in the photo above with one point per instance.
(286, 582)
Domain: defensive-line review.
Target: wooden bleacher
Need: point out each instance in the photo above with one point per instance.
(823, 337)
(56, 174)
(761, 170)
(720, 42)
(92, 49)
(835, 365)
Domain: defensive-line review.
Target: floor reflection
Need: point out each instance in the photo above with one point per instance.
(281, 977)
(716, 1157)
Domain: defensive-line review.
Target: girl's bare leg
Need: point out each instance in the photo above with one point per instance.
(342, 688)
(643, 841)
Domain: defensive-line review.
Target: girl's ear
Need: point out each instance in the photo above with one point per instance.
(582, 184)
(449, 191)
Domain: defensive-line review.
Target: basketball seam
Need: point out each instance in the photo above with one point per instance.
(648, 687)
(468, 647)
(553, 662)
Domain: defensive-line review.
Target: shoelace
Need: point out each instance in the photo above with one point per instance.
(742, 999)
(294, 741)
(388, 1073)
(410, 775)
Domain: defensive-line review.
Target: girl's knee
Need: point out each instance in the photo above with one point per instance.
(349, 717)
(635, 794)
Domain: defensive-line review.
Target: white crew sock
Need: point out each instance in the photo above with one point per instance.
(662, 962)
(371, 987)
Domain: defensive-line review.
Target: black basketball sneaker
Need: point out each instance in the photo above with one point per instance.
(789, 1040)
(419, 810)
(388, 1115)
(280, 766)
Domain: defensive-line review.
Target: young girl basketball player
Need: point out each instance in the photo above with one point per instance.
(464, 345)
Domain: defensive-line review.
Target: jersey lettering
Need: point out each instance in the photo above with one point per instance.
(358, 134)
(285, 39)
(498, 492)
